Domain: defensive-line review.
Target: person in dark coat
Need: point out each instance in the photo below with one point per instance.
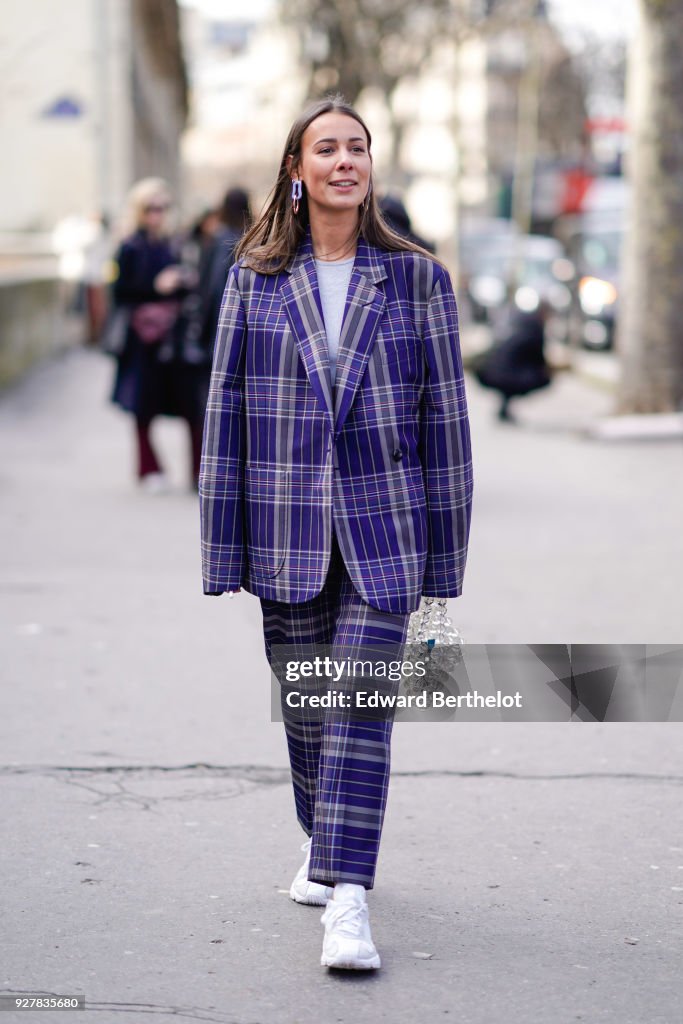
(234, 218)
(515, 365)
(153, 378)
(397, 217)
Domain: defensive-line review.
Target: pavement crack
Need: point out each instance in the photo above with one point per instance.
(270, 775)
(261, 774)
(182, 1012)
(149, 787)
(542, 776)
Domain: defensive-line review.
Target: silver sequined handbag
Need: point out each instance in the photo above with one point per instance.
(433, 639)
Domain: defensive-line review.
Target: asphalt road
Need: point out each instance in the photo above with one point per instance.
(529, 872)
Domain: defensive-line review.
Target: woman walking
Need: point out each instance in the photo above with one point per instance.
(152, 378)
(336, 476)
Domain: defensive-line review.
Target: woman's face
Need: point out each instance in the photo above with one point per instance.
(335, 163)
(154, 213)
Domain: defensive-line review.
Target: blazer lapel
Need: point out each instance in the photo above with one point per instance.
(365, 305)
(301, 299)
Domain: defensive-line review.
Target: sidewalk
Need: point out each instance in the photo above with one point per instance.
(528, 872)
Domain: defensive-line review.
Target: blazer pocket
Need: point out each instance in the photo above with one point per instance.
(268, 514)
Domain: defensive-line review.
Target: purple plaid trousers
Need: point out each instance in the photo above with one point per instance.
(340, 764)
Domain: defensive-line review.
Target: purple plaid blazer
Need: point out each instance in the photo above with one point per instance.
(385, 455)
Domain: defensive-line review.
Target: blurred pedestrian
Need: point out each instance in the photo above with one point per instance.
(233, 219)
(209, 248)
(397, 217)
(203, 232)
(96, 267)
(336, 478)
(515, 365)
(153, 378)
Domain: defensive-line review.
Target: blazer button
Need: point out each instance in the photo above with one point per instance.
(397, 454)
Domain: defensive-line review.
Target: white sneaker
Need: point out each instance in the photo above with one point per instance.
(348, 942)
(303, 891)
(155, 483)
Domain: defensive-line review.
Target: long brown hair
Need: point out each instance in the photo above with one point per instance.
(275, 237)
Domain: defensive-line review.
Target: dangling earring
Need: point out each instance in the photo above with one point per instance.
(296, 194)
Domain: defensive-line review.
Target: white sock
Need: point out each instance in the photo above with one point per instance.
(347, 892)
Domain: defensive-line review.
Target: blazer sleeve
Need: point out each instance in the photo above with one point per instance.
(221, 475)
(445, 448)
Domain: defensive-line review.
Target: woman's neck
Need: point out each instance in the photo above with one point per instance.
(334, 238)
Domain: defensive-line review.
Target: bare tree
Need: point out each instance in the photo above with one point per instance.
(351, 45)
(601, 64)
(562, 110)
(650, 334)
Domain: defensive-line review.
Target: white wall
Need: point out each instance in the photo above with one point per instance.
(55, 167)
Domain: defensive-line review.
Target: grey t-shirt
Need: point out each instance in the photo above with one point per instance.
(333, 281)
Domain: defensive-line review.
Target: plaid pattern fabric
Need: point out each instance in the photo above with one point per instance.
(340, 766)
(385, 455)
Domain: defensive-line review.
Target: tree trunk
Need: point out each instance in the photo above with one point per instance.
(650, 332)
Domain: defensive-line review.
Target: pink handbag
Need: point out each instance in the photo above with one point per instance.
(153, 320)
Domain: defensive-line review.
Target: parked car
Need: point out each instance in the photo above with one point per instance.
(477, 233)
(595, 250)
(523, 268)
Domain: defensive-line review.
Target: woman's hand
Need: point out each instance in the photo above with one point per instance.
(170, 279)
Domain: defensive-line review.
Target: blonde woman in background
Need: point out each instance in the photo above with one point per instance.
(152, 378)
